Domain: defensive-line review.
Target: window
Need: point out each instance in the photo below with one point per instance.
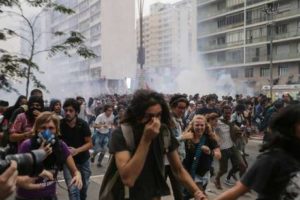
(231, 3)
(281, 29)
(234, 73)
(264, 72)
(222, 4)
(221, 40)
(221, 57)
(249, 72)
(283, 70)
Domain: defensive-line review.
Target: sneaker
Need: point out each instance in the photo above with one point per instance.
(92, 159)
(229, 182)
(218, 184)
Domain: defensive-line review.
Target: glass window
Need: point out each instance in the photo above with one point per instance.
(265, 72)
(283, 70)
(249, 72)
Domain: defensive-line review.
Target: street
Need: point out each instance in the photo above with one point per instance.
(212, 192)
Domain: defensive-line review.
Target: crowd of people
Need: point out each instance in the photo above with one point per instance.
(151, 137)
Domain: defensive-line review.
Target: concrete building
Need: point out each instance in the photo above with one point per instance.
(233, 36)
(109, 29)
(167, 35)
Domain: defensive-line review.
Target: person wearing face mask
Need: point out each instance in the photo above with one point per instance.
(46, 131)
(201, 148)
(21, 129)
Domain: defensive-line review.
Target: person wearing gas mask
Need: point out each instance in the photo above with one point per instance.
(22, 126)
(45, 135)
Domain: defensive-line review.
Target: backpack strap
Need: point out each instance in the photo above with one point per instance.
(129, 138)
(128, 135)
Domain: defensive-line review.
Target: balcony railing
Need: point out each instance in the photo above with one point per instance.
(275, 37)
(276, 16)
(214, 28)
(210, 47)
(205, 15)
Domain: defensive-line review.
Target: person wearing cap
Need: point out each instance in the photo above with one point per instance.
(276, 171)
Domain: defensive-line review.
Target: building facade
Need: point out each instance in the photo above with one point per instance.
(109, 30)
(167, 35)
(234, 37)
(168, 42)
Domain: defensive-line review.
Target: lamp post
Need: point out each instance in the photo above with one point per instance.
(141, 49)
(270, 10)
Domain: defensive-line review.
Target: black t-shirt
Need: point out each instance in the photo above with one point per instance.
(204, 160)
(75, 137)
(151, 182)
(270, 175)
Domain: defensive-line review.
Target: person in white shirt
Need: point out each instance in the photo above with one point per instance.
(103, 127)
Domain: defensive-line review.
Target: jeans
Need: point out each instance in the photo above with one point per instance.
(100, 142)
(74, 192)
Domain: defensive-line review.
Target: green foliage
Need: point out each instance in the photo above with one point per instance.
(16, 68)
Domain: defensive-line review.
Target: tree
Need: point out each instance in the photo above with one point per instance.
(15, 66)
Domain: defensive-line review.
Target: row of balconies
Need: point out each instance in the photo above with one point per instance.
(211, 27)
(213, 62)
(240, 43)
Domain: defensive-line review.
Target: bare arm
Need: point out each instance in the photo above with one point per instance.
(76, 180)
(183, 176)
(233, 193)
(17, 137)
(131, 167)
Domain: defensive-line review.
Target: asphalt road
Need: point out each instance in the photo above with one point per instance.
(212, 192)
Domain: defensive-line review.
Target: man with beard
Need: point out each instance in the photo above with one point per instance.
(75, 132)
(22, 126)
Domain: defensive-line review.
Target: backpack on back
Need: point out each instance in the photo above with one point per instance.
(111, 178)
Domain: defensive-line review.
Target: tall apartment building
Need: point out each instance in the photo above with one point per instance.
(233, 36)
(167, 36)
(109, 29)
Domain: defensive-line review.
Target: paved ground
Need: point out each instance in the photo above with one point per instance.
(212, 192)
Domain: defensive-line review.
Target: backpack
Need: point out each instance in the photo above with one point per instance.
(112, 176)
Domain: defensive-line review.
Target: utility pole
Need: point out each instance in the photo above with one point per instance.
(141, 49)
(270, 10)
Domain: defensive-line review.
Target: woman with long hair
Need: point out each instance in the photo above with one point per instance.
(201, 148)
(276, 172)
(46, 132)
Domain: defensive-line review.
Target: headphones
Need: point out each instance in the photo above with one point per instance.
(46, 136)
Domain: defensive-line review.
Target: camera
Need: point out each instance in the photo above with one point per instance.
(30, 164)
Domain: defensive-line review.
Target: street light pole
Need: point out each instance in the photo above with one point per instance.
(270, 10)
(141, 49)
